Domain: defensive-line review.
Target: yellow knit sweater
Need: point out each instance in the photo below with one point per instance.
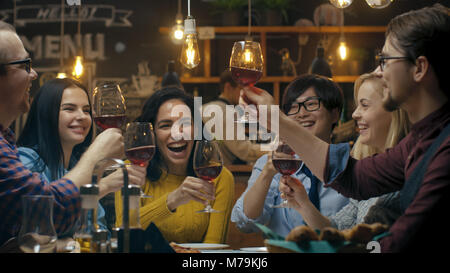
(185, 225)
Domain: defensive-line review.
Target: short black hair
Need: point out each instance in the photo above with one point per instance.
(225, 77)
(327, 90)
(41, 130)
(149, 114)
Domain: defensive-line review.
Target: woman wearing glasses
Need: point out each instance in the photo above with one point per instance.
(315, 103)
(379, 130)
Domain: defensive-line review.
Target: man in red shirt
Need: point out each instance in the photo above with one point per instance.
(413, 67)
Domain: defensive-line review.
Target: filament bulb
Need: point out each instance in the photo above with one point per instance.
(78, 67)
(343, 51)
(190, 56)
(379, 4)
(341, 3)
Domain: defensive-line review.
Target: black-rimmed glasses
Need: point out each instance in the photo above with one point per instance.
(26, 62)
(382, 60)
(311, 104)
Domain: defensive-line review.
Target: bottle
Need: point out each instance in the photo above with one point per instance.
(89, 202)
(319, 65)
(100, 242)
(136, 235)
(171, 77)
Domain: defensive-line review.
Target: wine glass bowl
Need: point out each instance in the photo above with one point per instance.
(108, 108)
(139, 141)
(285, 162)
(207, 164)
(246, 66)
(37, 233)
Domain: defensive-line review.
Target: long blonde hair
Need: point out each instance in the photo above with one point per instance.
(398, 129)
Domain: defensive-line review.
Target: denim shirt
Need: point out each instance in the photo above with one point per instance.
(282, 220)
(33, 162)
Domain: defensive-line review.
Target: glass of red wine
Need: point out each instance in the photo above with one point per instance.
(108, 107)
(139, 143)
(246, 66)
(285, 162)
(207, 164)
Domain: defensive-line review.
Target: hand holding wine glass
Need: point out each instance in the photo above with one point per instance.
(287, 163)
(108, 108)
(207, 164)
(139, 144)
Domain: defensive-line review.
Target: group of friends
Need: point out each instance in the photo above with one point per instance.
(402, 110)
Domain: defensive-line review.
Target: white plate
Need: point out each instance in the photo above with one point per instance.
(204, 246)
(254, 249)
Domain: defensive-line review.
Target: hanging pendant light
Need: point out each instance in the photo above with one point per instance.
(190, 55)
(341, 3)
(78, 68)
(379, 4)
(177, 33)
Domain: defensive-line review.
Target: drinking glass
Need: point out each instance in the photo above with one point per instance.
(108, 109)
(246, 66)
(139, 144)
(37, 233)
(285, 162)
(207, 164)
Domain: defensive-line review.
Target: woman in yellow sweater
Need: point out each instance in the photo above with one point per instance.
(177, 192)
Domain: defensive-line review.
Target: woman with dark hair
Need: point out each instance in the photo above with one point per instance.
(177, 192)
(57, 132)
(315, 103)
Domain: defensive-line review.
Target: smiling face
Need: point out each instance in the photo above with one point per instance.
(74, 117)
(372, 119)
(319, 122)
(16, 83)
(397, 77)
(175, 150)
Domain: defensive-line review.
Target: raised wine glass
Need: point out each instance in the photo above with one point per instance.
(207, 164)
(108, 109)
(246, 66)
(285, 162)
(139, 144)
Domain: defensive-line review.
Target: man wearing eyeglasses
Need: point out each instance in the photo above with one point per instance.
(413, 67)
(16, 76)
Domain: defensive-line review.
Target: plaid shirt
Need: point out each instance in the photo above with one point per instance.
(16, 181)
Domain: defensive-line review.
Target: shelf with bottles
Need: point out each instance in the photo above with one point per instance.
(260, 33)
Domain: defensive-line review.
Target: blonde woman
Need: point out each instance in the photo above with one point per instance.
(379, 130)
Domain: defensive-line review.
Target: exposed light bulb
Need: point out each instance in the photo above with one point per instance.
(177, 33)
(190, 55)
(379, 4)
(248, 56)
(78, 67)
(341, 3)
(343, 51)
(61, 75)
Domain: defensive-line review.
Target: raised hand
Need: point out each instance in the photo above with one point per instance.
(192, 188)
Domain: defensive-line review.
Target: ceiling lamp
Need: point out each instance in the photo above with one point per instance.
(190, 55)
(379, 4)
(341, 3)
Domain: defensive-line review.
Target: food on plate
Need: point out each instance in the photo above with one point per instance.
(182, 249)
(302, 235)
(331, 235)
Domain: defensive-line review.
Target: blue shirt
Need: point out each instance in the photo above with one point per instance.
(33, 162)
(283, 220)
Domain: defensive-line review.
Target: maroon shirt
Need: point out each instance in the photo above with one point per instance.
(421, 227)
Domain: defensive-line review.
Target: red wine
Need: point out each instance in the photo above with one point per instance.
(209, 172)
(245, 76)
(140, 155)
(287, 166)
(110, 121)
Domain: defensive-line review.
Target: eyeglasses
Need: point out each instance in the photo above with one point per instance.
(382, 60)
(311, 104)
(26, 62)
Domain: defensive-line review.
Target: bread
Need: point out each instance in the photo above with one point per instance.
(331, 235)
(302, 235)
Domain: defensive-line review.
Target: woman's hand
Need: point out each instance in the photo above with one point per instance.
(114, 181)
(192, 188)
(258, 96)
(293, 191)
(268, 168)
